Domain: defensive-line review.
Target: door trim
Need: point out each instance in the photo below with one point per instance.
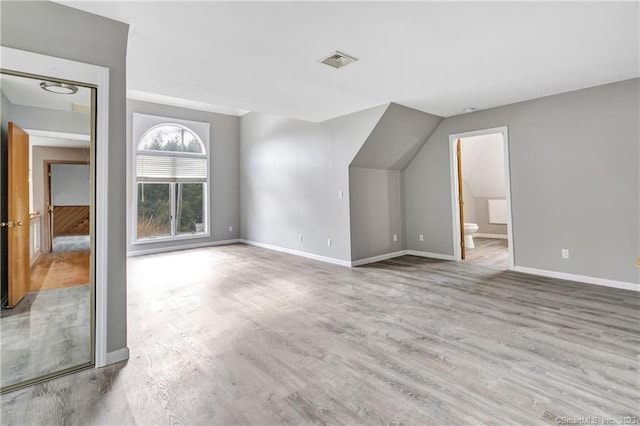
(47, 198)
(63, 69)
(455, 209)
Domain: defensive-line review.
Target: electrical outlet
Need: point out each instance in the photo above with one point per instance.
(420, 237)
(565, 253)
(395, 238)
(300, 238)
(230, 228)
(340, 194)
(328, 242)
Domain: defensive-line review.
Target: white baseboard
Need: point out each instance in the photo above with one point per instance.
(579, 278)
(181, 247)
(503, 237)
(430, 255)
(299, 253)
(378, 258)
(117, 356)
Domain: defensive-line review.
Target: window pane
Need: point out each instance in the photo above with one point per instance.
(190, 207)
(154, 210)
(171, 138)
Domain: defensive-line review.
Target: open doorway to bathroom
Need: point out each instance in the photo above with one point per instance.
(481, 195)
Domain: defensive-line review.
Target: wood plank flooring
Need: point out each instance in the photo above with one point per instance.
(60, 270)
(242, 335)
(489, 252)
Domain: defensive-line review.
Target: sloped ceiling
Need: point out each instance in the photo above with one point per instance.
(396, 138)
(483, 165)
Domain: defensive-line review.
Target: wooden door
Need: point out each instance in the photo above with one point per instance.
(18, 221)
(460, 199)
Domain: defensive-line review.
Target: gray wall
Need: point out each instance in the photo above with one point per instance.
(377, 212)
(291, 172)
(70, 184)
(574, 181)
(51, 119)
(376, 188)
(5, 117)
(224, 174)
(56, 30)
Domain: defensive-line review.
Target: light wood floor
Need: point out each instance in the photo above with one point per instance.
(242, 335)
(60, 270)
(489, 252)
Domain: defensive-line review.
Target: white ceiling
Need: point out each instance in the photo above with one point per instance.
(27, 92)
(437, 57)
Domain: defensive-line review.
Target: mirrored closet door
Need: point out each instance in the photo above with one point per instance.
(46, 246)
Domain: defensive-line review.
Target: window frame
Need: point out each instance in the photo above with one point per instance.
(142, 124)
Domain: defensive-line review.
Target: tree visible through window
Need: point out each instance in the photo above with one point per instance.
(171, 182)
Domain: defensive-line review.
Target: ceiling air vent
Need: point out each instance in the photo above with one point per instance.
(337, 59)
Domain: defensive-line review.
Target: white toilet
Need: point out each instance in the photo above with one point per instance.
(469, 230)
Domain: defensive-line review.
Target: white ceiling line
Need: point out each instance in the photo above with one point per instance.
(57, 135)
(138, 95)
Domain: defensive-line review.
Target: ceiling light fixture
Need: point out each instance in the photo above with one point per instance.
(338, 60)
(468, 109)
(59, 88)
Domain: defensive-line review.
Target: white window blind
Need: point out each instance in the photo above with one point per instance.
(170, 168)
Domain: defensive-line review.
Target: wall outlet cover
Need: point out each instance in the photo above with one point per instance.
(420, 237)
(565, 253)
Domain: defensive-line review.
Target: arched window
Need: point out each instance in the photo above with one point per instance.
(171, 178)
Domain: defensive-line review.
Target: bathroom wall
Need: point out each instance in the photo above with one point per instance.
(482, 218)
(484, 180)
(469, 206)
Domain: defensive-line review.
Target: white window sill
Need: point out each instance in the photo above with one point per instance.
(167, 239)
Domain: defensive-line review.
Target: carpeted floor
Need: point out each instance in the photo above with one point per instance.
(71, 243)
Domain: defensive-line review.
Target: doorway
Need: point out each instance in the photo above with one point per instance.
(481, 198)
